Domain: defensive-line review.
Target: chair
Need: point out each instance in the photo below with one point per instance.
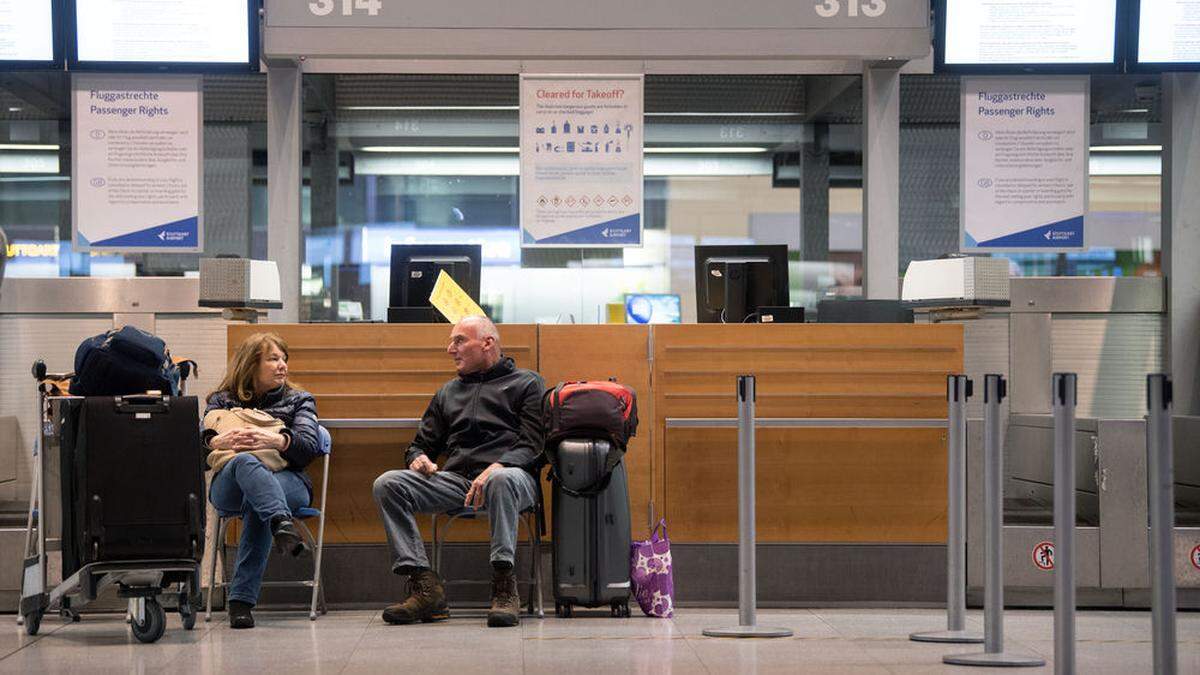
(317, 545)
(535, 525)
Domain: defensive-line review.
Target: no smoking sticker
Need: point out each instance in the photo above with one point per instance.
(1043, 555)
(1195, 557)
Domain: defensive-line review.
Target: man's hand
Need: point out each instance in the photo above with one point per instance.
(475, 494)
(423, 465)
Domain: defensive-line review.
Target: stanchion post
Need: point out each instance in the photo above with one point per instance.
(958, 390)
(994, 391)
(1065, 388)
(747, 582)
(1161, 472)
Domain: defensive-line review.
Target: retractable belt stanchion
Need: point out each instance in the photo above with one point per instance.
(993, 484)
(1161, 470)
(747, 584)
(1065, 389)
(958, 390)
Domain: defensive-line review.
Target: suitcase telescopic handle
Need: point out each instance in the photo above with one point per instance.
(143, 403)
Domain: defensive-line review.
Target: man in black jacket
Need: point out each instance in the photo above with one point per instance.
(488, 423)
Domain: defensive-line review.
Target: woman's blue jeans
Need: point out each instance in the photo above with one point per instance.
(247, 488)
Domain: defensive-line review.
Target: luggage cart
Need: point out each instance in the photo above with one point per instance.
(142, 582)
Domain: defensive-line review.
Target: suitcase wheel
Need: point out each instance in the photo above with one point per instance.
(187, 613)
(153, 624)
(563, 609)
(33, 621)
(620, 609)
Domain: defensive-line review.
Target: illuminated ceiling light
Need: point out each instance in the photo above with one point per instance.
(715, 150)
(1126, 148)
(724, 114)
(482, 150)
(450, 108)
(441, 149)
(19, 146)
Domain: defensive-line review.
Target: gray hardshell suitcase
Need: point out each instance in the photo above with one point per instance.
(591, 531)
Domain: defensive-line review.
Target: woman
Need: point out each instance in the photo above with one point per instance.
(257, 378)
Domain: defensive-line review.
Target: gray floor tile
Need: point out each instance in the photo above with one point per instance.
(825, 641)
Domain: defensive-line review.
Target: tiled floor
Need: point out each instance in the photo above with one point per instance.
(826, 641)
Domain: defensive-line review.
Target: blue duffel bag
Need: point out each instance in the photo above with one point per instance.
(124, 361)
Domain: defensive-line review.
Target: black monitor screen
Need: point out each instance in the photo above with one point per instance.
(732, 282)
(29, 35)
(415, 269)
(1166, 36)
(128, 35)
(1019, 36)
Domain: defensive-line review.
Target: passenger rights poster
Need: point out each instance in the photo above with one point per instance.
(581, 160)
(136, 172)
(1024, 177)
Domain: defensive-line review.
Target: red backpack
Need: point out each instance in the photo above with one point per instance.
(592, 410)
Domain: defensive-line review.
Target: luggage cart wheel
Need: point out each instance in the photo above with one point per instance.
(33, 621)
(154, 622)
(187, 613)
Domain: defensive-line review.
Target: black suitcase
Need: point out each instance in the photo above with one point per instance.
(591, 531)
(132, 480)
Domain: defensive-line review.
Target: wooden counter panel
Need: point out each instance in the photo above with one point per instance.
(359, 457)
(862, 486)
(819, 485)
(806, 405)
(813, 485)
(876, 382)
(598, 352)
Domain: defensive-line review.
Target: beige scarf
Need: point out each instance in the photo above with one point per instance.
(221, 421)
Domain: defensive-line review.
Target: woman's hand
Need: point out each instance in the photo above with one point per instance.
(257, 439)
(225, 441)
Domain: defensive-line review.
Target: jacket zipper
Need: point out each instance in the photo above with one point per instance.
(475, 407)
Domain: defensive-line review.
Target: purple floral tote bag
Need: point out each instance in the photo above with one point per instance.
(651, 573)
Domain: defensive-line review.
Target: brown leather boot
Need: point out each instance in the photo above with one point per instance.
(426, 601)
(506, 604)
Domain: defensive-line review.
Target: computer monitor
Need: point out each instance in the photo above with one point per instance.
(732, 282)
(652, 308)
(415, 269)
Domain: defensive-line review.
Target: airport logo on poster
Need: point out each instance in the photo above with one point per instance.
(1024, 163)
(581, 161)
(136, 176)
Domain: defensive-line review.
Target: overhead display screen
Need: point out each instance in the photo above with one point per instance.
(1169, 32)
(134, 32)
(1017, 33)
(27, 31)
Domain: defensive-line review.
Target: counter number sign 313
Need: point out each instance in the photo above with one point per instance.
(348, 7)
(869, 8)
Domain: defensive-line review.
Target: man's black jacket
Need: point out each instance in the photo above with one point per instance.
(482, 418)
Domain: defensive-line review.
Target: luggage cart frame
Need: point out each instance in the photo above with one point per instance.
(140, 581)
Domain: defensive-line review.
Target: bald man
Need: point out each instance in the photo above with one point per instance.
(487, 422)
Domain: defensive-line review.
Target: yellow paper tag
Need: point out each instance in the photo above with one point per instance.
(451, 300)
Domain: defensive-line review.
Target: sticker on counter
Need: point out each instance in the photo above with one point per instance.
(1195, 557)
(1043, 555)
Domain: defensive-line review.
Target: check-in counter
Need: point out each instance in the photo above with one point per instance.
(857, 494)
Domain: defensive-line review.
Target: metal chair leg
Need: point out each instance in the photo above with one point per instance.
(436, 548)
(218, 552)
(315, 548)
(536, 536)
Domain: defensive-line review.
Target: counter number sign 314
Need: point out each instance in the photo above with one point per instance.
(869, 8)
(348, 7)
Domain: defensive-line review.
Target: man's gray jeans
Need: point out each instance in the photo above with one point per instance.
(401, 494)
